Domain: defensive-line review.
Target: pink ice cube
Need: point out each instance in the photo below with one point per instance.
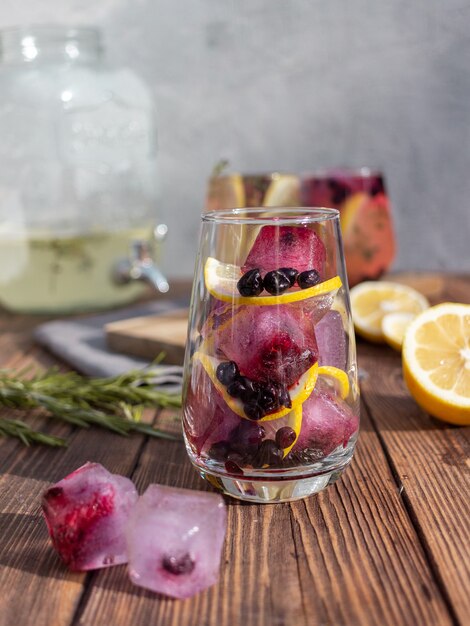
(298, 247)
(331, 340)
(86, 513)
(327, 423)
(175, 539)
(275, 343)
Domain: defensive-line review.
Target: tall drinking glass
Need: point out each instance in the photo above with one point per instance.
(270, 400)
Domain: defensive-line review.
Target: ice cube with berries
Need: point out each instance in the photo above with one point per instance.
(175, 539)
(86, 513)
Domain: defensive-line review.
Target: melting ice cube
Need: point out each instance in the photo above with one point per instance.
(86, 513)
(175, 539)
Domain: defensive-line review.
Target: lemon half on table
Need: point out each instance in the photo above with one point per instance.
(372, 300)
(436, 361)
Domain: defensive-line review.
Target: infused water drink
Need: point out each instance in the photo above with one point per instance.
(271, 406)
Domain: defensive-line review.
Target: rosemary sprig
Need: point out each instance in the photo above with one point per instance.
(115, 403)
(24, 432)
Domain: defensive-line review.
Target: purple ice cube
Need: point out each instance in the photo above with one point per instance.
(327, 422)
(174, 540)
(86, 513)
(331, 340)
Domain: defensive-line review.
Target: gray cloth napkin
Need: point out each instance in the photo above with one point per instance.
(82, 343)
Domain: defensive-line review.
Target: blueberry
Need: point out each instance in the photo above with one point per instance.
(227, 372)
(285, 437)
(219, 451)
(236, 388)
(290, 273)
(268, 454)
(253, 410)
(247, 436)
(232, 468)
(308, 278)
(250, 284)
(251, 389)
(276, 282)
(268, 398)
(178, 564)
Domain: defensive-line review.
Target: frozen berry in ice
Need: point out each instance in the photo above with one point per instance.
(227, 372)
(285, 437)
(246, 437)
(250, 284)
(236, 389)
(178, 565)
(307, 279)
(219, 451)
(268, 398)
(276, 282)
(86, 514)
(174, 540)
(253, 410)
(290, 273)
(233, 468)
(268, 454)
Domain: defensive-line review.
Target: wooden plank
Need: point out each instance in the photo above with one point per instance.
(431, 464)
(147, 336)
(430, 461)
(33, 580)
(349, 556)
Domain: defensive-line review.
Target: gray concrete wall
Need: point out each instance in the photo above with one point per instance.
(296, 85)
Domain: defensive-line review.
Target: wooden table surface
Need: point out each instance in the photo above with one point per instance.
(388, 544)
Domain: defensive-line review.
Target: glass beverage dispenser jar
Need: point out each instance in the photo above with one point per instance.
(78, 175)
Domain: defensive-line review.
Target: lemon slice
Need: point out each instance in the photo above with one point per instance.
(221, 282)
(339, 376)
(394, 326)
(298, 392)
(284, 190)
(371, 300)
(436, 361)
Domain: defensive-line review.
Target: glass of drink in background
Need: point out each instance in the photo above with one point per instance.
(270, 400)
(359, 194)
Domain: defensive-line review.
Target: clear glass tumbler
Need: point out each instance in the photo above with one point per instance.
(271, 399)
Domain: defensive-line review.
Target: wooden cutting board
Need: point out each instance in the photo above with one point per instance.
(147, 336)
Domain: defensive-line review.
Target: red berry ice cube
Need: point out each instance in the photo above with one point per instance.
(327, 423)
(297, 247)
(269, 343)
(175, 539)
(86, 513)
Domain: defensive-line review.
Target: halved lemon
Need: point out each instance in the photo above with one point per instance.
(436, 361)
(284, 190)
(339, 377)
(221, 282)
(394, 326)
(372, 300)
(298, 392)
